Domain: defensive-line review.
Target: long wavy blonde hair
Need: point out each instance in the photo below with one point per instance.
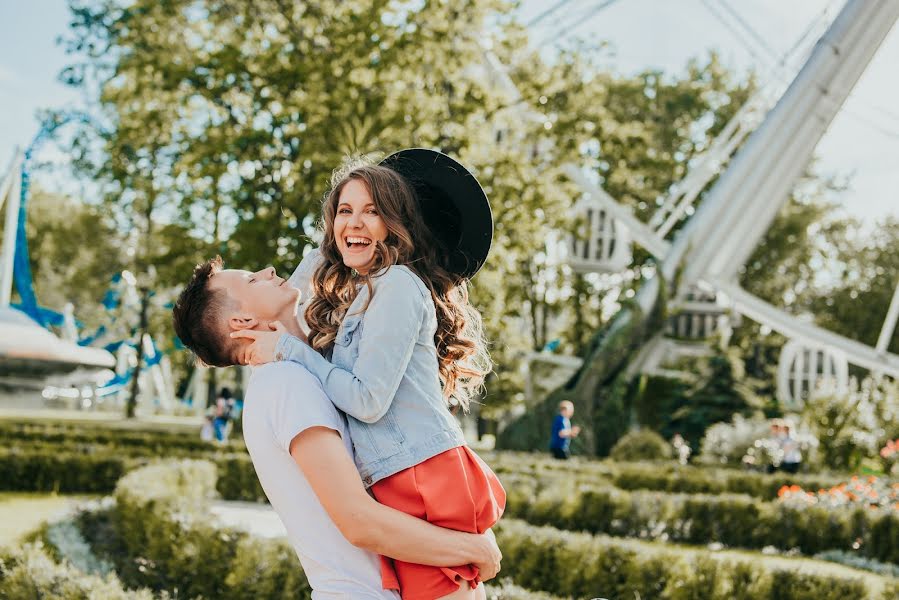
(461, 349)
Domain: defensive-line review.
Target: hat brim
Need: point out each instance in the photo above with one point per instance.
(453, 203)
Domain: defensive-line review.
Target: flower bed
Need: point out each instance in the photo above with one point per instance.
(870, 492)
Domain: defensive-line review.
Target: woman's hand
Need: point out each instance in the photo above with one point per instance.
(262, 348)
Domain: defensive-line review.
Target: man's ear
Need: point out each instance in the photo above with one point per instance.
(241, 322)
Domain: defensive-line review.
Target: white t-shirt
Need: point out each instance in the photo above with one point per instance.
(282, 400)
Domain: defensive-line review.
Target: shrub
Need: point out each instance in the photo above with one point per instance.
(727, 443)
(149, 441)
(30, 573)
(643, 444)
(161, 518)
(49, 471)
(584, 566)
(166, 543)
(733, 520)
(853, 425)
(659, 476)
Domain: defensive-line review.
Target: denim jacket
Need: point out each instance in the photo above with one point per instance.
(383, 373)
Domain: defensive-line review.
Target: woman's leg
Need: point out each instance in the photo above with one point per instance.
(466, 593)
(481, 592)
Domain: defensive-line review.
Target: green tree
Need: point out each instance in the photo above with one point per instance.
(73, 251)
(720, 394)
(226, 118)
(866, 268)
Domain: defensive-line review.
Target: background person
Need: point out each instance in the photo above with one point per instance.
(562, 431)
(792, 453)
(223, 405)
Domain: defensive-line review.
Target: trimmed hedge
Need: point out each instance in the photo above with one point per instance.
(161, 519)
(157, 519)
(30, 573)
(66, 472)
(107, 444)
(660, 476)
(584, 566)
(158, 536)
(732, 520)
(148, 442)
(544, 497)
(45, 470)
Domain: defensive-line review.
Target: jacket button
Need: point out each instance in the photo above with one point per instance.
(367, 481)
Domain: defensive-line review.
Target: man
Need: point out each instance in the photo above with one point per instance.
(562, 431)
(300, 446)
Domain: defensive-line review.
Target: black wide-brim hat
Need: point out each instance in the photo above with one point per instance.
(453, 203)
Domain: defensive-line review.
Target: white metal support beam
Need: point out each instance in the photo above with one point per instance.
(889, 324)
(812, 335)
(10, 190)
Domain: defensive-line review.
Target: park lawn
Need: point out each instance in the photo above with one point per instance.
(22, 513)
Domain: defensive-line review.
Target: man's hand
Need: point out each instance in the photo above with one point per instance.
(575, 430)
(262, 350)
(489, 566)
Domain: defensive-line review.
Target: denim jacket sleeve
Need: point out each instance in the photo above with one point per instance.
(393, 321)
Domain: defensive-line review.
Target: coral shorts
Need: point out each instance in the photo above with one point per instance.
(456, 490)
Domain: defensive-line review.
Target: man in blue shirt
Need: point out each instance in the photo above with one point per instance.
(563, 432)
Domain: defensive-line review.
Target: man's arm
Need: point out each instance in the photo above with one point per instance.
(320, 453)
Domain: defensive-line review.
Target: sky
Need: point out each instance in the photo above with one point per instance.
(862, 143)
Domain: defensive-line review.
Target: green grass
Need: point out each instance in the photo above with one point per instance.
(22, 513)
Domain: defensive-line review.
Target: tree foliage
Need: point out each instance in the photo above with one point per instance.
(73, 251)
(219, 122)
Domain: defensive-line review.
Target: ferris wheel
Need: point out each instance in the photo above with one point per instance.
(758, 156)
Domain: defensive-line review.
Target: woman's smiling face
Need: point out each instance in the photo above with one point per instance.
(357, 226)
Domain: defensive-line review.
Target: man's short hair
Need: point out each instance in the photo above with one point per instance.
(566, 404)
(197, 318)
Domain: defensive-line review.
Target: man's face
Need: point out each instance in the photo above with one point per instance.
(259, 298)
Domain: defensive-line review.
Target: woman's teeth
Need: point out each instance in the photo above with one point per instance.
(354, 241)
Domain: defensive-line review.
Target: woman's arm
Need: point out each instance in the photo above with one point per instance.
(321, 455)
(393, 322)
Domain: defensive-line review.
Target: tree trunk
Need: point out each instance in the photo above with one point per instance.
(135, 375)
(212, 390)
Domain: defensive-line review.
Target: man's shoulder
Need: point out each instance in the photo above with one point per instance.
(286, 398)
(283, 380)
